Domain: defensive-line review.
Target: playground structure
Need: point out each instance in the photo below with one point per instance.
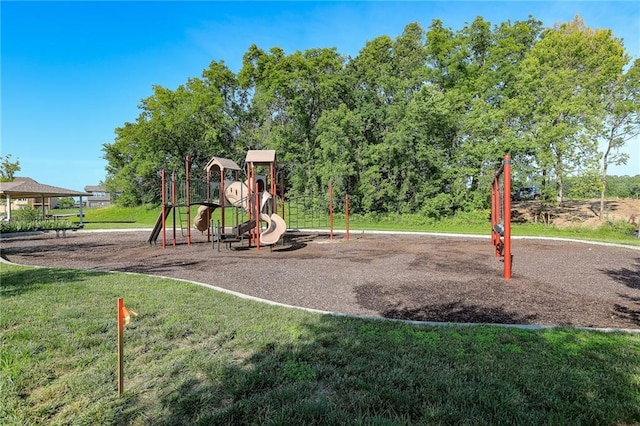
(501, 214)
(250, 202)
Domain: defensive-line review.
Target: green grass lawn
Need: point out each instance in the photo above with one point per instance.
(196, 356)
(114, 217)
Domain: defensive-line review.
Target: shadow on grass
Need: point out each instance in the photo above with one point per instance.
(22, 280)
(342, 371)
(197, 357)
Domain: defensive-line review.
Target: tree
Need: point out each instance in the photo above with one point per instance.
(8, 168)
(66, 202)
(621, 99)
(197, 120)
(384, 77)
(290, 94)
(412, 123)
(560, 83)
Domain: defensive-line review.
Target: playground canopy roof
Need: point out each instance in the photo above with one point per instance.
(263, 156)
(24, 187)
(222, 163)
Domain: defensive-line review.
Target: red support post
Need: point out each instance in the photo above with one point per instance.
(282, 192)
(501, 237)
(164, 209)
(346, 213)
(495, 213)
(507, 216)
(173, 204)
(188, 200)
(256, 206)
(221, 198)
(209, 200)
(331, 210)
(273, 190)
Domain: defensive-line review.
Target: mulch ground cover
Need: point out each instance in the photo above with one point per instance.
(411, 277)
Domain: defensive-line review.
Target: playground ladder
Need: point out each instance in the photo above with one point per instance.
(184, 219)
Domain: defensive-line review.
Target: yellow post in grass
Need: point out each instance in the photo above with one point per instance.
(124, 316)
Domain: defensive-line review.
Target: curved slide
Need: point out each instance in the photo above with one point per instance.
(276, 227)
(201, 221)
(236, 194)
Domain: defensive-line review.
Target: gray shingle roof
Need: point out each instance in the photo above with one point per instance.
(24, 187)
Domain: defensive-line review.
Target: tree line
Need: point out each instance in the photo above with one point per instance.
(415, 123)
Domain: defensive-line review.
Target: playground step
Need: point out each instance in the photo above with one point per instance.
(183, 218)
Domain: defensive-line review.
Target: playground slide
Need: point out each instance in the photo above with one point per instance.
(158, 226)
(274, 231)
(237, 193)
(201, 221)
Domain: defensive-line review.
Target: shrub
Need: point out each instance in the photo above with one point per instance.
(26, 214)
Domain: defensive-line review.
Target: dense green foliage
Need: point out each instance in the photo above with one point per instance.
(586, 186)
(36, 225)
(27, 214)
(197, 356)
(8, 168)
(416, 123)
(65, 203)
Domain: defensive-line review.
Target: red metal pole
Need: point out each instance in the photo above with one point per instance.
(493, 209)
(173, 204)
(222, 197)
(495, 206)
(274, 195)
(346, 213)
(164, 209)
(507, 216)
(282, 192)
(188, 200)
(331, 210)
(210, 201)
(256, 207)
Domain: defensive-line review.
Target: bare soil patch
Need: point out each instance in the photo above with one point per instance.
(584, 213)
(415, 277)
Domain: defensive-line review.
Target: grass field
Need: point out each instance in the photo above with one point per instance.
(196, 356)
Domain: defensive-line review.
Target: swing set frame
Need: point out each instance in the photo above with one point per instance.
(501, 214)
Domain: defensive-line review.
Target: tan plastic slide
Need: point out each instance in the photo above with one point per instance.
(201, 221)
(274, 231)
(237, 194)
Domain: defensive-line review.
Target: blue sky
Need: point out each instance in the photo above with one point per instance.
(71, 72)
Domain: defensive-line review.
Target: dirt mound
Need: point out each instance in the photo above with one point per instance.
(577, 212)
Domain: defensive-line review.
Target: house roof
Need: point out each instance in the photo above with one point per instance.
(24, 187)
(95, 188)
